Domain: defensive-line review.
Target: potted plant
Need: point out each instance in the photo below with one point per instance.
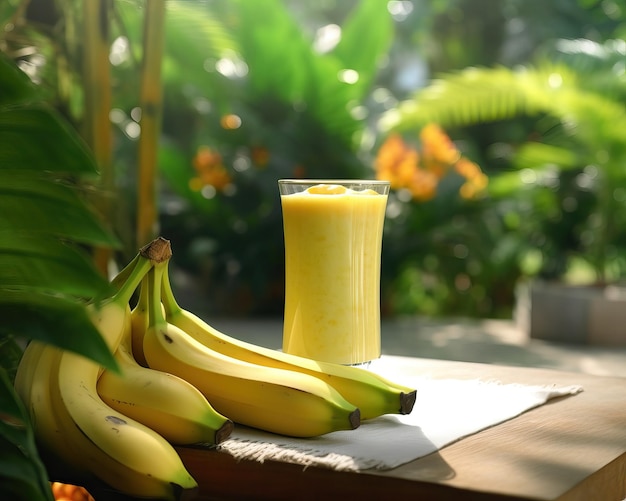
(568, 179)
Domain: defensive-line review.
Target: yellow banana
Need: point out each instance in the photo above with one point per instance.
(61, 440)
(66, 447)
(275, 400)
(84, 453)
(78, 428)
(371, 393)
(134, 446)
(41, 404)
(169, 405)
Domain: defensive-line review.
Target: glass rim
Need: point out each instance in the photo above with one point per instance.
(333, 181)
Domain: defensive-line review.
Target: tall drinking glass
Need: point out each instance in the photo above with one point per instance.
(333, 239)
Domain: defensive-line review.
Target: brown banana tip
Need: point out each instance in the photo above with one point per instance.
(224, 432)
(159, 250)
(355, 418)
(407, 401)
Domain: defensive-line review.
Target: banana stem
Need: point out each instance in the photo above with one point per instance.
(158, 250)
(128, 287)
(167, 295)
(155, 312)
(124, 273)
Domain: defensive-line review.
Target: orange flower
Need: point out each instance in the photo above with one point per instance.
(205, 158)
(467, 168)
(211, 171)
(476, 180)
(391, 152)
(260, 156)
(419, 172)
(396, 162)
(423, 186)
(473, 187)
(437, 146)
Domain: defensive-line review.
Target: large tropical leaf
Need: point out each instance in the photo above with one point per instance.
(56, 268)
(46, 317)
(363, 53)
(470, 96)
(44, 282)
(47, 208)
(571, 85)
(22, 475)
(592, 121)
(34, 137)
(16, 86)
(276, 51)
(283, 65)
(193, 36)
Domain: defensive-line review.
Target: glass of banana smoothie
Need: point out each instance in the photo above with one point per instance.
(333, 240)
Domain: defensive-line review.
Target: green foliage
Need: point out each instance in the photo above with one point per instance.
(43, 218)
(45, 276)
(576, 96)
(297, 118)
(22, 475)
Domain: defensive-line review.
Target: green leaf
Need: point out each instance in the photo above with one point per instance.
(15, 85)
(34, 137)
(55, 320)
(278, 56)
(21, 477)
(534, 155)
(193, 36)
(19, 459)
(470, 96)
(49, 265)
(10, 355)
(363, 53)
(40, 206)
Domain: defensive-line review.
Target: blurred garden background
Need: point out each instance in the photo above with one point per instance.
(500, 123)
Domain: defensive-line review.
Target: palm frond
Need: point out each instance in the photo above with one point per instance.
(479, 95)
(466, 97)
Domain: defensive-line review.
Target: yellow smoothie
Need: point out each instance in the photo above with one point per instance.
(333, 241)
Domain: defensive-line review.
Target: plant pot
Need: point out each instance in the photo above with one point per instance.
(580, 314)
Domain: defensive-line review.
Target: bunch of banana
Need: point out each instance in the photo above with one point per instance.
(75, 425)
(180, 382)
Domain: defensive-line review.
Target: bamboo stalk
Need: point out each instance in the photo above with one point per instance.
(151, 110)
(97, 88)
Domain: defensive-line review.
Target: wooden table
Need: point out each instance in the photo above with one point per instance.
(572, 448)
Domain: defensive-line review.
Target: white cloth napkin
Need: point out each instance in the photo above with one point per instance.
(445, 411)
